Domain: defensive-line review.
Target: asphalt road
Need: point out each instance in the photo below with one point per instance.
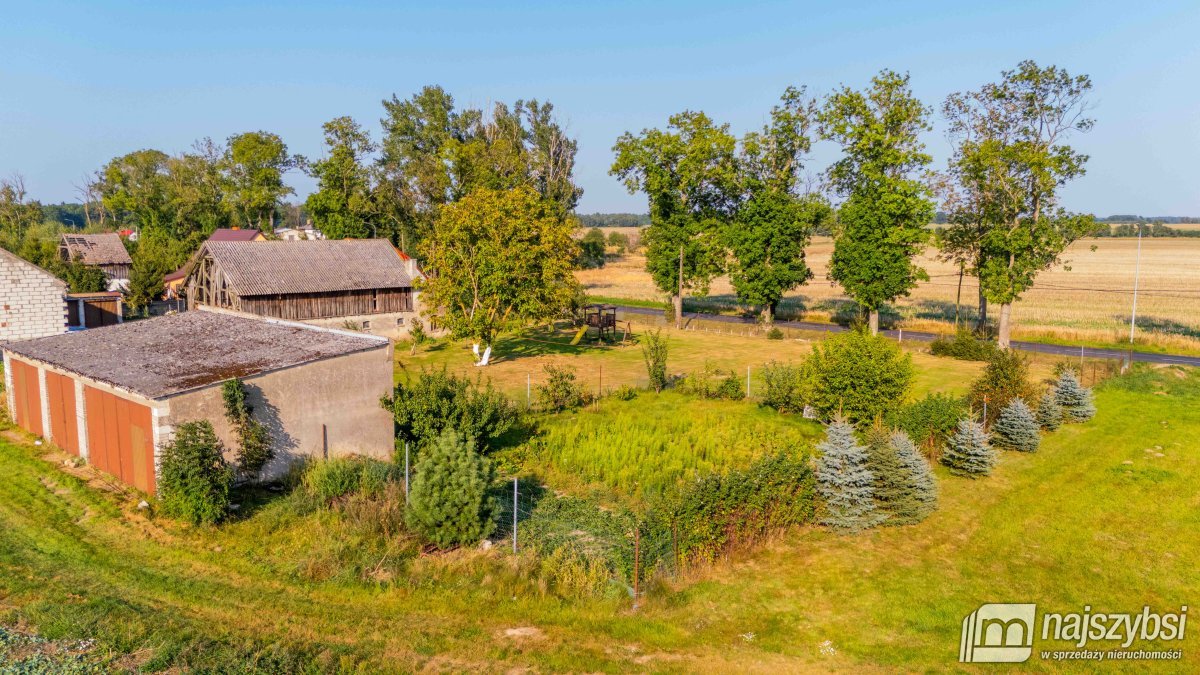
(1039, 347)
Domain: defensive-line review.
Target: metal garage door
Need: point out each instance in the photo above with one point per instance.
(120, 438)
(64, 426)
(27, 396)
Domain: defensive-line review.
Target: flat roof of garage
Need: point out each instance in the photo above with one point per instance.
(179, 352)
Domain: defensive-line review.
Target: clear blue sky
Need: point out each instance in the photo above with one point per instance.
(83, 82)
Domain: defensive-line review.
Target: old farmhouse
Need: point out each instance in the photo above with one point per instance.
(105, 251)
(31, 300)
(113, 395)
(364, 284)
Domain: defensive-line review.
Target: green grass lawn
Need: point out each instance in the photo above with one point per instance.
(1105, 514)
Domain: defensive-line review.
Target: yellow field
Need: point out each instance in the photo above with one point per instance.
(1086, 300)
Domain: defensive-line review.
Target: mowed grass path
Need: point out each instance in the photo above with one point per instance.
(1073, 524)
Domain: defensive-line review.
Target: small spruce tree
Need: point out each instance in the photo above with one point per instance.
(921, 497)
(1016, 428)
(1074, 398)
(889, 483)
(1049, 412)
(845, 483)
(449, 504)
(967, 452)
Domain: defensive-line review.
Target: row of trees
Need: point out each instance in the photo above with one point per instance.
(720, 204)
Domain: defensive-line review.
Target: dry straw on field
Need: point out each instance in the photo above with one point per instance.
(1087, 299)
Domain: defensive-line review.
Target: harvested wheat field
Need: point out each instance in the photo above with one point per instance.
(1086, 300)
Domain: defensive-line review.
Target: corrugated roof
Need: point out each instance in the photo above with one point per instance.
(230, 234)
(171, 354)
(97, 249)
(286, 267)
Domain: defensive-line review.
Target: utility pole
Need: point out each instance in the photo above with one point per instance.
(514, 514)
(1136, 269)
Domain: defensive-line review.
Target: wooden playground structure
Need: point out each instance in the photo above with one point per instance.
(604, 319)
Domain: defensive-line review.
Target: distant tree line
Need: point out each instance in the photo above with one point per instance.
(1152, 230)
(614, 219)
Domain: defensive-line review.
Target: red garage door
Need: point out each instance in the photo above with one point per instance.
(64, 427)
(27, 397)
(120, 438)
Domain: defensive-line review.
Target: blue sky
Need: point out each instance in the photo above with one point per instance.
(83, 82)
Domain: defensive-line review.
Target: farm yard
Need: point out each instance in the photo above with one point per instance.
(295, 582)
(1089, 303)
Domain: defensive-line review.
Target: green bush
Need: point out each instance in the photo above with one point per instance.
(712, 382)
(856, 375)
(783, 387)
(449, 504)
(964, 345)
(591, 249)
(930, 421)
(330, 480)
(417, 334)
(439, 400)
(1006, 378)
(625, 392)
(654, 351)
(574, 575)
(561, 391)
(254, 449)
(774, 333)
(194, 480)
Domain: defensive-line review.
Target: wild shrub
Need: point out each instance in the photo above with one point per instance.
(783, 387)
(561, 391)
(417, 335)
(968, 452)
(774, 333)
(1005, 378)
(712, 382)
(930, 421)
(1049, 412)
(625, 392)
(964, 346)
(846, 485)
(574, 575)
(449, 504)
(438, 400)
(1074, 398)
(591, 249)
(654, 351)
(194, 480)
(857, 375)
(254, 449)
(329, 480)
(1016, 428)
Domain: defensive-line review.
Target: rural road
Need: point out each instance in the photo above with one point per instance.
(1039, 347)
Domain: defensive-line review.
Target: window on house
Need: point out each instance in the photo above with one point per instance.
(400, 321)
(366, 325)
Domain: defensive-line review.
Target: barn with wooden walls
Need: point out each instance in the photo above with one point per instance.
(366, 284)
(105, 251)
(113, 395)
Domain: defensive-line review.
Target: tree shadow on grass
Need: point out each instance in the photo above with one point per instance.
(1156, 324)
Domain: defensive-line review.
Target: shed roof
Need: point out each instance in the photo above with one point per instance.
(179, 352)
(97, 249)
(231, 234)
(288, 267)
(6, 256)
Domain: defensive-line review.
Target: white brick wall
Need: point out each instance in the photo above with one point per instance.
(31, 300)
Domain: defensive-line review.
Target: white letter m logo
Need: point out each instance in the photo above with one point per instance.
(998, 634)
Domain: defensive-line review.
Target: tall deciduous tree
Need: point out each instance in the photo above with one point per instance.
(342, 206)
(254, 165)
(498, 257)
(17, 213)
(1011, 155)
(136, 189)
(773, 225)
(434, 154)
(887, 208)
(689, 174)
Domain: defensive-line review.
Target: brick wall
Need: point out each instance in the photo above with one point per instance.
(31, 300)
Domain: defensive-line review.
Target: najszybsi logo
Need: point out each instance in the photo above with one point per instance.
(1003, 633)
(998, 633)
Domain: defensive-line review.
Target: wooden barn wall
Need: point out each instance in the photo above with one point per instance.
(302, 306)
